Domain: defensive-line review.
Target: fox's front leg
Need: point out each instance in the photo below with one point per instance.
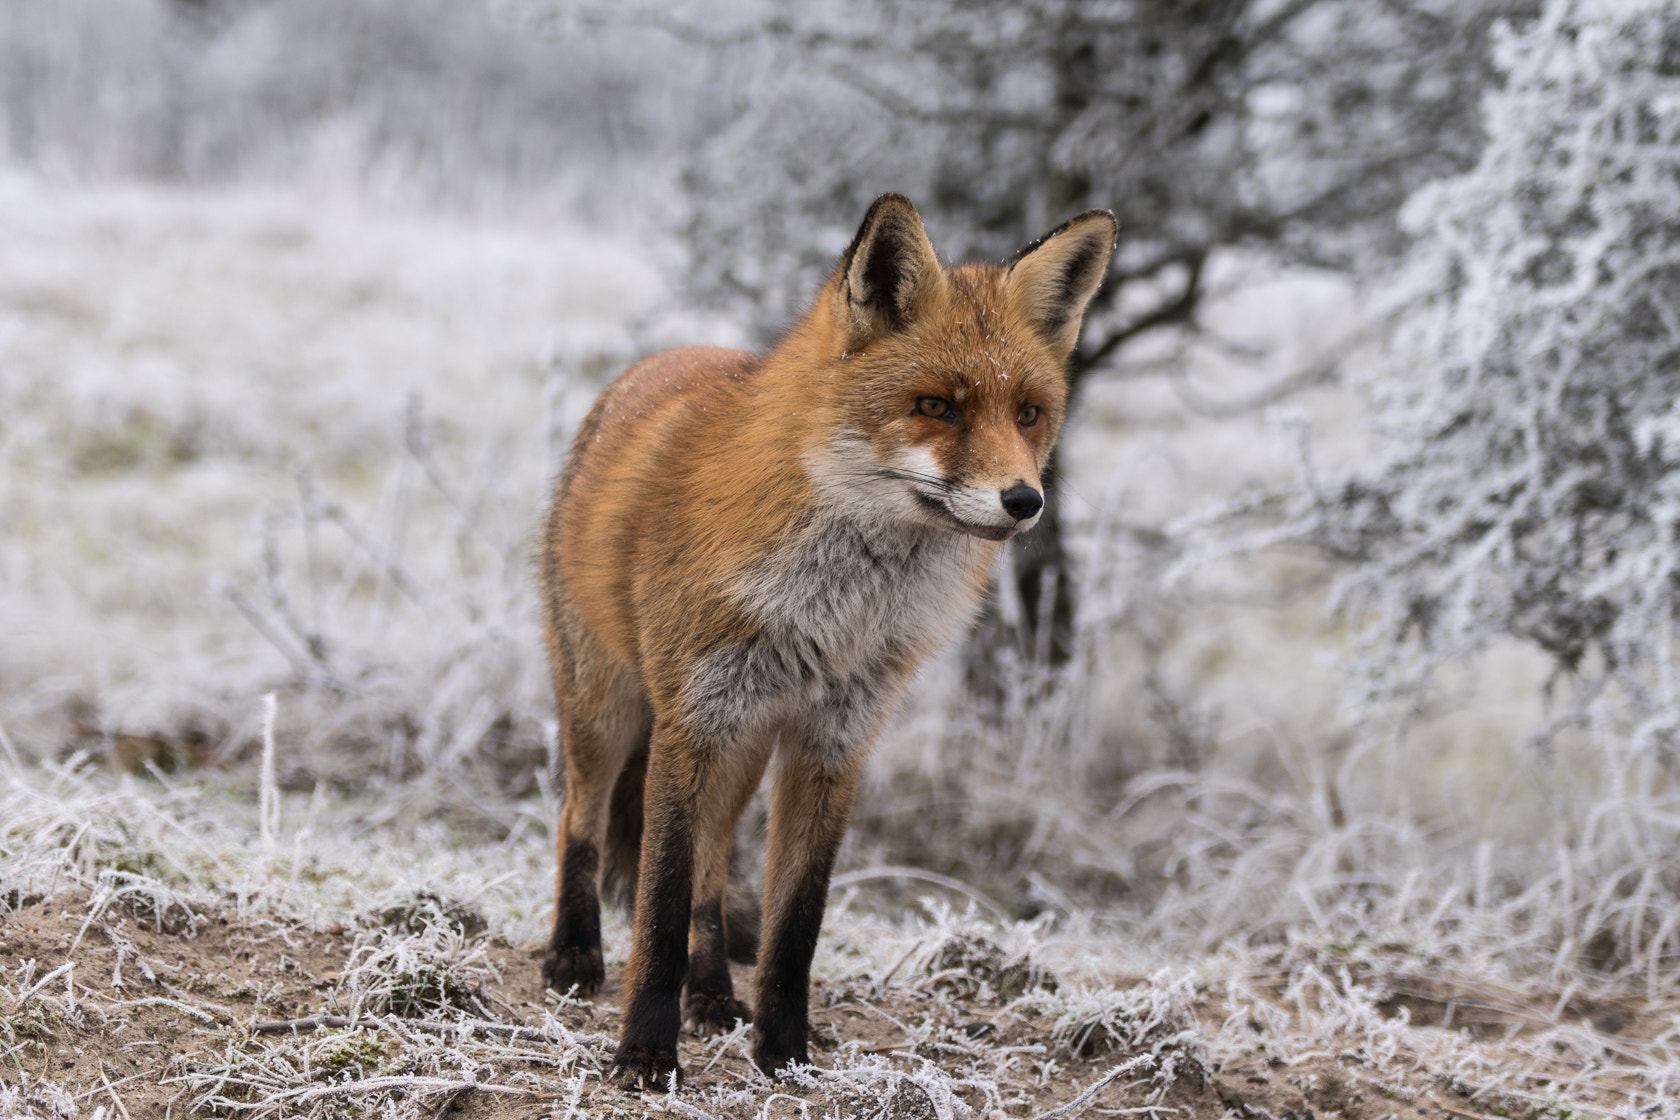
(709, 1004)
(810, 804)
(681, 776)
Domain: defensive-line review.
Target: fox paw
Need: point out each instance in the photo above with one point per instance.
(641, 1067)
(780, 1042)
(707, 1014)
(567, 967)
(776, 1063)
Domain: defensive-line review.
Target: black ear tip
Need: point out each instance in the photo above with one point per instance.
(891, 212)
(887, 206)
(1107, 216)
(892, 199)
(1104, 215)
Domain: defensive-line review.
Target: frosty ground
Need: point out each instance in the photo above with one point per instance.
(164, 953)
(295, 442)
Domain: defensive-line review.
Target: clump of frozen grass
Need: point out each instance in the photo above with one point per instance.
(39, 1099)
(1296, 1007)
(1320, 1009)
(972, 966)
(874, 1086)
(167, 852)
(430, 966)
(960, 955)
(127, 845)
(1157, 1016)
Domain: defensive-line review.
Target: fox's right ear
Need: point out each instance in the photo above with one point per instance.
(889, 271)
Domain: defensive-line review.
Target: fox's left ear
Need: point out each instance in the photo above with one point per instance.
(1051, 280)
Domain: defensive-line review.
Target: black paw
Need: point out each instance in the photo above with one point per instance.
(774, 1061)
(567, 967)
(639, 1067)
(705, 1013)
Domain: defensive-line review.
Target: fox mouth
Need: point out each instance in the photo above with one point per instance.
(943, 513)
(933, 495)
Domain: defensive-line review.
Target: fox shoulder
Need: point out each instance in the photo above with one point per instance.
(646, 389)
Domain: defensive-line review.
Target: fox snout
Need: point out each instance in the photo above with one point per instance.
(1022, 502)
(991, 513)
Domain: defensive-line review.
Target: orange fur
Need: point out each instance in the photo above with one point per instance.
(751, 555)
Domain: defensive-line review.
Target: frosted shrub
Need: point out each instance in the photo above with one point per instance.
(1533, 491)
(1531, 486)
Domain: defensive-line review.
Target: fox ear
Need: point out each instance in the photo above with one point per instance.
(889, 270)
(1053, 279)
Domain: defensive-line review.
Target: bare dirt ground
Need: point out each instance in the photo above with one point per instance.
(118, 1008)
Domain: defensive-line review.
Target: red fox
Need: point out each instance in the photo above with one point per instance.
(745, 561)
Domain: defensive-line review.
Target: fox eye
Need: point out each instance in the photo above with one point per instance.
(936, 407)
(1028, 416)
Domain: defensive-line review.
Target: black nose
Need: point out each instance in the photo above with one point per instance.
(1022, 502)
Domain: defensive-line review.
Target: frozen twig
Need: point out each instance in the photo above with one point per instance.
(1080, 1102)
(61, 970)
(184, 1008)
(422, 1085)
(268, 806)
(917, 873)
(10, 750)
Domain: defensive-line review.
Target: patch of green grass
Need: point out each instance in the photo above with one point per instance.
(355, 1049)
(33, 1024)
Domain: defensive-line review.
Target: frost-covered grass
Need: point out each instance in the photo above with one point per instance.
(165, 950)
(264, 439)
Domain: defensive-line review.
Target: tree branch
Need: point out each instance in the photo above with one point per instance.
(1179, 309)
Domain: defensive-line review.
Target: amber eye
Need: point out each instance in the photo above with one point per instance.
(934, 407)
(1028, 416)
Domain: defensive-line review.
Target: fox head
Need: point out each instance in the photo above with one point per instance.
(949, 385)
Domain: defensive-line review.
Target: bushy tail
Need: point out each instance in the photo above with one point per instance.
(742, 907)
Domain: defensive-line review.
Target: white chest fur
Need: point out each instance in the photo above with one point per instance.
(838, 610)
(852, 594)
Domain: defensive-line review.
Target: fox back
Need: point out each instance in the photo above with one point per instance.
(750, 556)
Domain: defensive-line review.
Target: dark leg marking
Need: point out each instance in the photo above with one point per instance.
(709, 1003)
(574, 952)
(647, 1048)
(782, 1027)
